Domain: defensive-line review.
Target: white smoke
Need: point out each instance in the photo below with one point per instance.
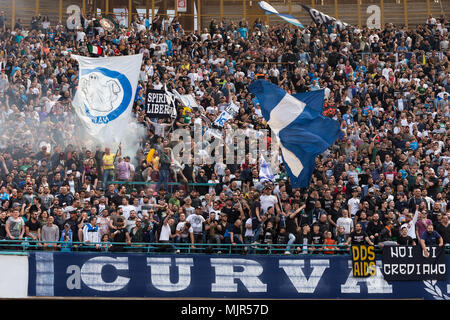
(130, 141)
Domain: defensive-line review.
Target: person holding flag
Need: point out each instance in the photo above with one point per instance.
(108, 168)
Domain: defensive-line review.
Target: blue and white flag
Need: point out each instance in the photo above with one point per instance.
(265, 171)
(105, 94)
(222, 118)
(300, 126)
(271, 10)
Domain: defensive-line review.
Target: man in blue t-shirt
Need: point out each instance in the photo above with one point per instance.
(430, 238)
(243, 31)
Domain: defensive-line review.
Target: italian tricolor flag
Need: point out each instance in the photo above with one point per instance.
(94, 49)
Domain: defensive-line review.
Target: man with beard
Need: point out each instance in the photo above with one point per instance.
(358, 237)
(374, 227)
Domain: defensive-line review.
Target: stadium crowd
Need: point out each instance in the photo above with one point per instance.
(385, 182)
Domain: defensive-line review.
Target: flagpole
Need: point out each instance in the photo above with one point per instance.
(115, 155)
(172, 101)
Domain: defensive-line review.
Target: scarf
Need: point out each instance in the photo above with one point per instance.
(91, 228)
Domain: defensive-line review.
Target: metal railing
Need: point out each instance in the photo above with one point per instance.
(27, 244)
(170, 185)
(195, 184)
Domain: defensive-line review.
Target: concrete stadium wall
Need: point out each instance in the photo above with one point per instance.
(399, 12)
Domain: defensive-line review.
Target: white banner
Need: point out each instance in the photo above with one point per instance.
(188, 100)
(105, 94)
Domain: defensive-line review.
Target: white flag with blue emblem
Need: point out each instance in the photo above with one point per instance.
(297, 120)
(105, 94)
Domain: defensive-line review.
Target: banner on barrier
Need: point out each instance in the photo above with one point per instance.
(363, 258)
(254, 277)
(407, 263)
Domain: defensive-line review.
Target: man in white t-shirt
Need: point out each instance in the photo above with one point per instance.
(353, 203)
(410, 223)
(166, 234)
(196, 220)
(80, 35)
(126, 208)
(184, 230)
(248, 235)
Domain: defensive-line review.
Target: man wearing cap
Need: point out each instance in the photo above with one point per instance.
(145, 204)
(267, 199)
(46, 198)
(91, 232)
(230, 211)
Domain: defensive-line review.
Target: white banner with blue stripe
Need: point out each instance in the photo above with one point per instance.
(297, 120)
(105, 94)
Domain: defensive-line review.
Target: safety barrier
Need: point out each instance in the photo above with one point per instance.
(230, 276)
(129, 184)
